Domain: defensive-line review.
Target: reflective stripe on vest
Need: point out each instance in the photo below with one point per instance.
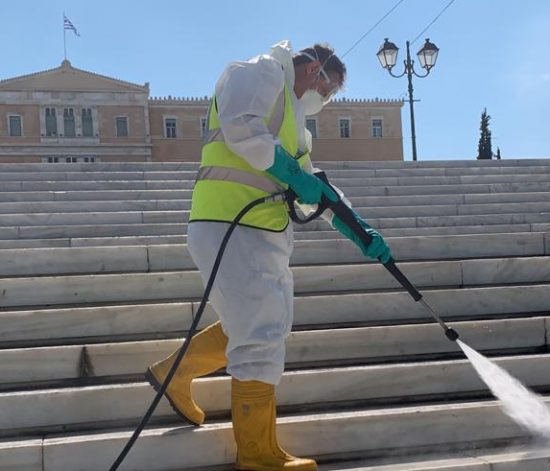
(238, 176)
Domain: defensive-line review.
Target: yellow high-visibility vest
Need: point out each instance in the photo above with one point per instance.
(226, 182)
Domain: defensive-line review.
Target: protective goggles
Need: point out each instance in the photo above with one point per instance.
(331, 86)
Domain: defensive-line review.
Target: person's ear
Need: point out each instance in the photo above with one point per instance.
(313, 68)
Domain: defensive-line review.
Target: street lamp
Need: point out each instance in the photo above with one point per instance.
(427, 55)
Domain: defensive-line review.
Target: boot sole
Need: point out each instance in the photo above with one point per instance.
(246, 468)
(150, 377)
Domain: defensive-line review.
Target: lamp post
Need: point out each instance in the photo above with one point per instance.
(427, 55)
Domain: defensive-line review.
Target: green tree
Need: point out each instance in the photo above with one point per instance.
(484, 150)
(498, 153)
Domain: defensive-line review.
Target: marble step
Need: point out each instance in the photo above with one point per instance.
(164, 180)
(439, 168)
(89, 234)
(87, 218)
(462, 204)
(91, 231)
(34, 186)
(439, 180)
(27, 326)
(93, 206)
(104, 167)
(170, 257)
(449, 210)
(428, 176)
(320, 348)
(299, 234)
(171, 233)
(459, 199)
(526, 457)
(424, 214)
(445, 189)
(97, 176)
(14, 262)
(337, 164)
(331, 234)
(54, 325)
(96, 195)
(328, 434)
(432, 172)
(50, 410)
(17, 191)
(365, 164)
(121, 259)
(128, 287)
(446, 221)
(66, 242)
(536, 220)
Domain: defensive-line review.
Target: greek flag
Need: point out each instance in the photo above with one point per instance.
(68, 25)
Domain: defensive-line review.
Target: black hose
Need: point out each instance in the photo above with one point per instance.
(192, 329)
(341, 210)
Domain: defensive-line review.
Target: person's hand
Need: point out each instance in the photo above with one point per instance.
(377, 248)
(307, 187)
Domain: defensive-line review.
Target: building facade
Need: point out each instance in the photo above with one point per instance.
(70, 115)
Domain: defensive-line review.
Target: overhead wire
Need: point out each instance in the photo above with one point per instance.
(433, 21)
(388, 13)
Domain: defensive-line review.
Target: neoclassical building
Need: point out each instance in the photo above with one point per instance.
(70, 115)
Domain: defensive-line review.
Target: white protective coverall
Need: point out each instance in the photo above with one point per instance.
(253, 291)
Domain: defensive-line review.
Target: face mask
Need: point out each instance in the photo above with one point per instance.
(312, 101)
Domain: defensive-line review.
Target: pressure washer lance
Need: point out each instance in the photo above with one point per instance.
(340, 209)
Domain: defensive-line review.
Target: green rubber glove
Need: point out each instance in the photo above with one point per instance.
(377, 249)
(308, 187)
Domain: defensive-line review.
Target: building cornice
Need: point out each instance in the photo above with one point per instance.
(367, 101)
(170, 100)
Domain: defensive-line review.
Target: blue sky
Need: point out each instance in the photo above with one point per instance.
(493, 54)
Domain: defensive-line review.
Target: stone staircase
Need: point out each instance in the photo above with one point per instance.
(96, 283)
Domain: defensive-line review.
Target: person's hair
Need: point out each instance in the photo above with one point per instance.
(329, 60)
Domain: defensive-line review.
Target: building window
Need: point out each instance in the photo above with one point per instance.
(170, 128)
(377, 128)
(122, 126)
(311, 125)
(87, 122)
(68, 122)
(345, 127)
(15, 125)
(51, 122)
(203, 127)
(52, 160)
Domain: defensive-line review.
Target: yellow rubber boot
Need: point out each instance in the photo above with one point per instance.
(254, 415)
(205, 354)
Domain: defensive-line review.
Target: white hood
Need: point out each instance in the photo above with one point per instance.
(282, 51)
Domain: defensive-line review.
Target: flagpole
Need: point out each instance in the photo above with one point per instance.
(64, 38)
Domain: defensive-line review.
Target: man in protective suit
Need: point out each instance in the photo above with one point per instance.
(256, 144)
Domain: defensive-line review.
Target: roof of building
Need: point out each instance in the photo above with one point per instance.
(67, 78)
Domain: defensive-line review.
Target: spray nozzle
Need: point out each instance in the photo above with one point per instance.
(451, 334)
